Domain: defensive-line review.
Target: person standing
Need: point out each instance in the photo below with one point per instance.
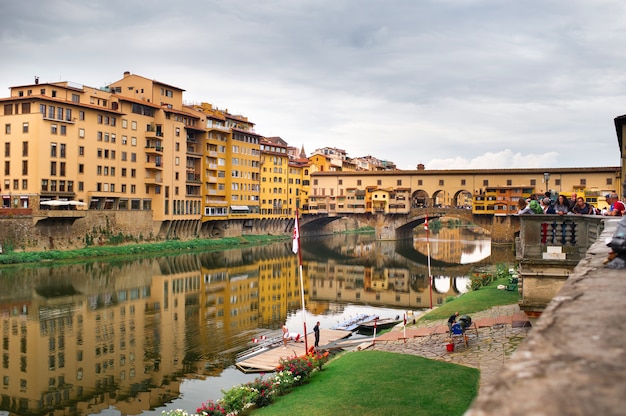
(285, 335)
(616, 207)
(561, 207)
(316, 330)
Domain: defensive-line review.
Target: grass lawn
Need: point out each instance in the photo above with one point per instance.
(381, 383)
(477, 300)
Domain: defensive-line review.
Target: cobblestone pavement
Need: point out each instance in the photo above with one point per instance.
(488, 347)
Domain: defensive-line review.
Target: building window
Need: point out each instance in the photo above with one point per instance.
(509, 182)
(358, 182)
(486, 182)
(53, 168)
(609, 181)
(399, 182)
(81, 133)
(81, 115)
(462, 182)
(24, 149)
(7, 149)
(75, 98)
(24, 127)
(24, 167)
(53, 150)
(583, 182)
(124, 139)
(441, 182)
(63, 130)
(81, 168)
(557, 182)
(53, 128)
(533, 182)
(81, 150)
(419, 182)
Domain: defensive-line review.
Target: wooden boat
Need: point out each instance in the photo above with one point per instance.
(368, 326)
(353, 323)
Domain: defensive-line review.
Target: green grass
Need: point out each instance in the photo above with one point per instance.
(478, 300)
(129, 250)
(381, 383)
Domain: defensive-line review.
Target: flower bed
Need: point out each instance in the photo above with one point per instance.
(291, 372)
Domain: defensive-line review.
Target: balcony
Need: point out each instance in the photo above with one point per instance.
(154, 165)
(153, 179)
(154, 149)
(193, 178)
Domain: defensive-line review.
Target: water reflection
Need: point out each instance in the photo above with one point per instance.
(138, 337)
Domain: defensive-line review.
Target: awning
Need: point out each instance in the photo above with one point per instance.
(54, 203)
(240, 208)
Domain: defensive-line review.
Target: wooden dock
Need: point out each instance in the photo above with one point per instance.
(268, 360)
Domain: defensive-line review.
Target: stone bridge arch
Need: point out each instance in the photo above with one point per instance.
(400, 226)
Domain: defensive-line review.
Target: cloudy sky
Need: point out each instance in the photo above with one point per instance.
(447, 83)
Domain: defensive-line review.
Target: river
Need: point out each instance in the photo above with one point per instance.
(137, 337)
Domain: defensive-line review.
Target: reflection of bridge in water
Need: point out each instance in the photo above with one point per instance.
(361, 269)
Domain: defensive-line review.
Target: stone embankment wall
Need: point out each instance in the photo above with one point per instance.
(22, 233)
(574, 361)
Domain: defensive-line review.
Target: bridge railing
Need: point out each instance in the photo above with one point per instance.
(542, 236)
(549, 248)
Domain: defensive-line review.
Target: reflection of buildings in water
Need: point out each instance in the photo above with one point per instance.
(455, 245)
(392, 287)
(81, 336)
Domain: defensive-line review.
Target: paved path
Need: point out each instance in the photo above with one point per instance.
(498, 335)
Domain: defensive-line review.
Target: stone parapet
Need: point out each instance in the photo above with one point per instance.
(574, 359)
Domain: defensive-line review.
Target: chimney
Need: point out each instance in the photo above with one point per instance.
(36, 80)
(421, 167)
(126, 74)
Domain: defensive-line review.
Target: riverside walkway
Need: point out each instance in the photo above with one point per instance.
(498, 333)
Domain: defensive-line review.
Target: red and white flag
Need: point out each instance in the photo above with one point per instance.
(296, 236)
(426, 224)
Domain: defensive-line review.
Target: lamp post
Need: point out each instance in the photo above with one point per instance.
(546, 178)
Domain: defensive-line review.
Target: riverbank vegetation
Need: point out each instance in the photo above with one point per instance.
(480, 298)
(171, 246)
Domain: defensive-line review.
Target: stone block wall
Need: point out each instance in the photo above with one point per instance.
(24, 233)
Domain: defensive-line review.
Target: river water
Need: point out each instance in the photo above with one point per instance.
(149, 334)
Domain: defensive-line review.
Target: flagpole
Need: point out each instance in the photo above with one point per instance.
(296, 248)
(405, 327)
(430, 277)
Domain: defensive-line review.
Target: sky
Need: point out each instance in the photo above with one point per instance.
(451, 84)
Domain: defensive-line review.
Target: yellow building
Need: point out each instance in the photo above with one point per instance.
(336, 193)
(274, 178)
(128, 146)
(244, 154)
(216, 204)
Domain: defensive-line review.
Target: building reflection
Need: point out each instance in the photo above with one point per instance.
(78, 339)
